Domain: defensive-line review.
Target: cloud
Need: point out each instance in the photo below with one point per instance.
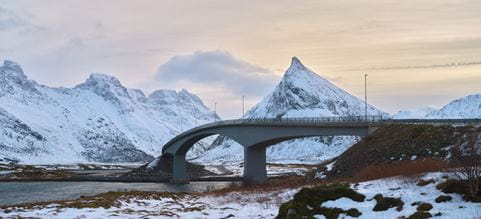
(217, 69)
(445, 65)
(10, 20)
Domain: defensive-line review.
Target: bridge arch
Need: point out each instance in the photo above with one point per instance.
(255, 137)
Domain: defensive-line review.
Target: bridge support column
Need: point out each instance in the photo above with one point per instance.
(255, 164)
(179, 172)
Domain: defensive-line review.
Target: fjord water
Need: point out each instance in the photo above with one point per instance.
(12, 193)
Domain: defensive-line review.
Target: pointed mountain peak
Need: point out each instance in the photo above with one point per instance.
(296, 63)
(298, 75)
(297, 69)
(12, 66)
(169, 96)
(304, 93)
(107, 87)
(103, 78)
(100, 80)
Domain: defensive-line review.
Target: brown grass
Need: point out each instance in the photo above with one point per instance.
(407, 168)
(276, 184)
(271, 184)
(104, 200)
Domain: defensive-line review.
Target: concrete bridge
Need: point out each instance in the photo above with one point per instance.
(255, 135)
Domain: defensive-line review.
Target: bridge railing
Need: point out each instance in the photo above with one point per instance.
(473, 121)
(304, 120)
(339, 119)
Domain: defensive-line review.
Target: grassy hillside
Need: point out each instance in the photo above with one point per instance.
(393, 144)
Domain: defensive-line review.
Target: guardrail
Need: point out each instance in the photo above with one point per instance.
(303, 120)
(340, 119)
(297, 120)
(434, 121)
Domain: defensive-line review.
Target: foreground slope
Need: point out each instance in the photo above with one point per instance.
(398, 198)
(300, 93)
(97, 121)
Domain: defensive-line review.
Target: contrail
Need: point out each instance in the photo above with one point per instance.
(448, 65)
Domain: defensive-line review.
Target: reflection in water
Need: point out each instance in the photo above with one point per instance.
(27, 192)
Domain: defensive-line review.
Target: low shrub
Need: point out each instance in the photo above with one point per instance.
(384, 203)
(423, 182)
(308, 201)
(453, 186)
(353, 212)
(416, 203)
(420, 215)
(424, 207)
(460, 187)
(443, 198)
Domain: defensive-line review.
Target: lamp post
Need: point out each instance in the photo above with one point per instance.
(215, 111)
(243, 114)
(365, 96)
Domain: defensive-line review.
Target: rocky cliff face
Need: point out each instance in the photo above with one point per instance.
(300, 93)
(99, 120)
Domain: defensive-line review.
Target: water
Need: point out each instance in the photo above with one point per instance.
(26, 192)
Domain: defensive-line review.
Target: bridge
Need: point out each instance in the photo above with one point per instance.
(255, 135)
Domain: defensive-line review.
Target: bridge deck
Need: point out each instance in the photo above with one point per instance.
(347, 121)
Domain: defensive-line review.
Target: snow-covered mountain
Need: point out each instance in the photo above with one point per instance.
(414, 114)
(465, 107)
(97, 121)
(300, 93)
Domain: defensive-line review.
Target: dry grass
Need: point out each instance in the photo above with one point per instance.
(104, 200)
(270, 185)
(406, 168)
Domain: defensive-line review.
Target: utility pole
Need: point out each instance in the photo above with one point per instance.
(243, 107)
(365, 96)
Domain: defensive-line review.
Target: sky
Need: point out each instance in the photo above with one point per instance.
(417, 53)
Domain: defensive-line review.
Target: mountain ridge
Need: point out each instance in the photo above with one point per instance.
(98, 120)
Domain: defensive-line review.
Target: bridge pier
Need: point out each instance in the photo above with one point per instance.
(179, 173)
(255, 164)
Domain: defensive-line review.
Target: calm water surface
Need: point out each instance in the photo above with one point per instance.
(26, 192)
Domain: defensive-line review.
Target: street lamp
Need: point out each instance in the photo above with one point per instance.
(215, 111)
(243, 114)
(365, 96)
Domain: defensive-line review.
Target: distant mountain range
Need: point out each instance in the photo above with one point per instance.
(102, 121)
(96, 121)
(465, 107)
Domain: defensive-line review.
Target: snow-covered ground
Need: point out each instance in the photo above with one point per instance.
(239, 205)
(409, 192)
(236, 168)
(254, 204)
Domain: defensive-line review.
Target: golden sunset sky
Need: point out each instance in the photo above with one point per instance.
(417, 53)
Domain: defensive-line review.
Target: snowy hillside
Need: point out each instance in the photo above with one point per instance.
(99, 120)
(466, 107)
(301, 93)
(414, 114)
